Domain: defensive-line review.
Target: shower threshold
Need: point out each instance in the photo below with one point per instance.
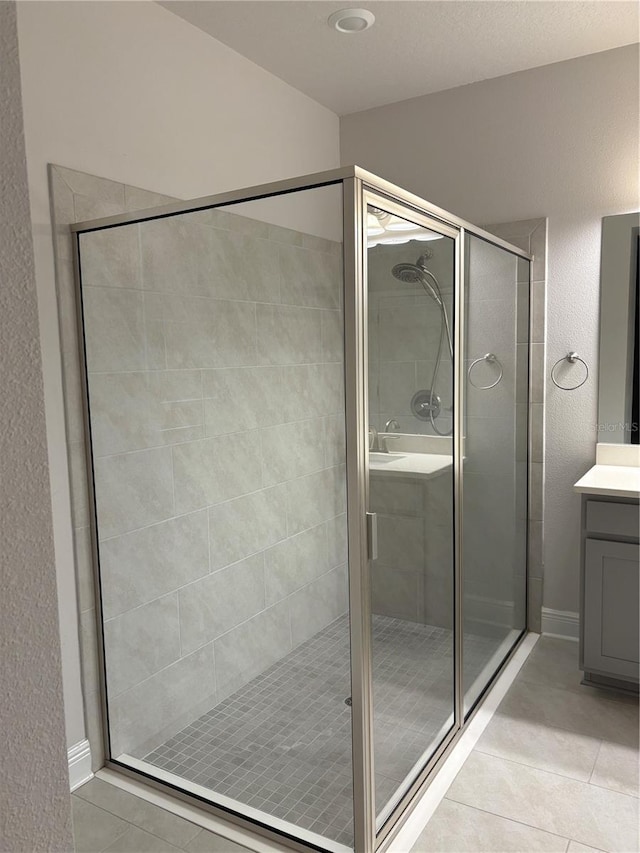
(280, 747)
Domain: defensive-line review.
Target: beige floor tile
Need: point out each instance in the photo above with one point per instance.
(208, 842)
(552, 661)
(93, 828)
(137, 811)
(456, 828)
(585, 714)
(547, 748)
(136, 840)
(618, 768)
(594, 816)
(555, 662)
(576, 847)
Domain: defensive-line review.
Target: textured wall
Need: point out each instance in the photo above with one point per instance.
(559, 141)
(34, 798)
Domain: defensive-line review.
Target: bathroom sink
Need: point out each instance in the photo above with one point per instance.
(385, 458)
(420, 465)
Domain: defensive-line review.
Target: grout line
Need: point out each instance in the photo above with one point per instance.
(607, 696)
(221, 503)
(508, 819)
(551, 773)
(205, 298)
(443, 779)
(595, 761)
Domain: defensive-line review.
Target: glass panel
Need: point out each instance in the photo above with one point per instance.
(214, 347)
(495, 460)
(410, 285)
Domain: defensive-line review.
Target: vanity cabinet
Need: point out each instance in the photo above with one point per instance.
(610, 592)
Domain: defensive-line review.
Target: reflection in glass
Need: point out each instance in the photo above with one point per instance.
(495, 460)
(410, 276)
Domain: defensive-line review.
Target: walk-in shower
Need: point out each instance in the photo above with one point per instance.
(294, 628)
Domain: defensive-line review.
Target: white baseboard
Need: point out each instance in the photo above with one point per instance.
(560, 623)
(79, 758)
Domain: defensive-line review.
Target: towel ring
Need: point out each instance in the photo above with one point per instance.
(571, 358)
(490, 358)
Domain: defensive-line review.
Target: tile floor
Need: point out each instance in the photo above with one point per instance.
(556, 770)
(106, 818)
(282, 744)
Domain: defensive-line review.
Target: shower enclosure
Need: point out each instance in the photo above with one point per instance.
(306, 415)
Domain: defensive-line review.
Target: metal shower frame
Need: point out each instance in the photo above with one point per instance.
(359, 188)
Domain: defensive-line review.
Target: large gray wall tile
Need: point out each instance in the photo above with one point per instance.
(289, 334)
(114, 329)
(251, 648)
(141, 642)
(317, 604)
(217, 469)
(295, 562)
(111, 258)
(246, 525)
(292, 450)
(224, 335)
(243, 398)
(133, 490)
(315, 498)
(146, 564)
(310, 278)
(161, 700)
(337, 540)
(219, 602)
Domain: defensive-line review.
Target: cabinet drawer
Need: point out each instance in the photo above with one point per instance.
(614, 519)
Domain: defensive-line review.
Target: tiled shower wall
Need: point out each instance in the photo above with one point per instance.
(211, 338)
(404, 331)
(495, 445)
(531, 236)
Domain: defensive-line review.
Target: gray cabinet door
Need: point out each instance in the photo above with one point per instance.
(611, 595)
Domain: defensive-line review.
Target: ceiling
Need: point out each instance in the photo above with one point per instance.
(416, 47)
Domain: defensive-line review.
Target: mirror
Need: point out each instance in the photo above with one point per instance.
(618, 415)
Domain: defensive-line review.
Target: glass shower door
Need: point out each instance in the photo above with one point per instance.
(496, 341)
(215, 385)
(410, 278)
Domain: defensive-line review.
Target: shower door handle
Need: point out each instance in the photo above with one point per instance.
(372, 535)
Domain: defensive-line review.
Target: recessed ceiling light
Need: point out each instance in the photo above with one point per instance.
(351, 20)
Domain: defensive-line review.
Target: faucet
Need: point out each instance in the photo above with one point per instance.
(377, 442)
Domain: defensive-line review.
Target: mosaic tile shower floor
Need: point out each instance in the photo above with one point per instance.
(282, 743)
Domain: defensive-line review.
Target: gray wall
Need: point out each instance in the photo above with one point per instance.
(218, 440)
(558, 141)
(34, 785)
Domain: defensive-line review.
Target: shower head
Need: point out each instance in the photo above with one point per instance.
(409, 273)
(416, 274)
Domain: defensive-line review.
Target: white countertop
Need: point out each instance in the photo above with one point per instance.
(620, 481)
(423, 466)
